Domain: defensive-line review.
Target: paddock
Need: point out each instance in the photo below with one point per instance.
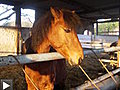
(95, 72)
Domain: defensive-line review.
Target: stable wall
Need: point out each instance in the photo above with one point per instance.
(8, 41)
(85, 25)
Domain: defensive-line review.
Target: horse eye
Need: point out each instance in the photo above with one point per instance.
(67, 30)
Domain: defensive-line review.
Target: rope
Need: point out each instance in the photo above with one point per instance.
(108, 72)
(31, 80)
(111, 75)
(89, 77)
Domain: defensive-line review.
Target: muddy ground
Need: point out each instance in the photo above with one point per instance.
(74, 78)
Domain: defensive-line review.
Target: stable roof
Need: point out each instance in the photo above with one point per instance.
(92, 9)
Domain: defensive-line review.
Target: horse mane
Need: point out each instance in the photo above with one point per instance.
(43, 24)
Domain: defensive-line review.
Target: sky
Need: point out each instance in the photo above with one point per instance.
(27, 15)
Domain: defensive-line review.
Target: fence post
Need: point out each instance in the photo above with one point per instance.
(18, 25)
(118, 59)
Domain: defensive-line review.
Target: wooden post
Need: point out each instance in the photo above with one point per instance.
(118, 59)
(119, 19)
(18, 17)
(118, 54)
(119, 26)
(18, 25)
(97, 28)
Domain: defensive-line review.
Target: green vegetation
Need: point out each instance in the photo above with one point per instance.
(105, 27)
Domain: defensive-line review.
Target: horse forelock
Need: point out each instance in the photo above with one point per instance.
(41, 27)
(72, 20)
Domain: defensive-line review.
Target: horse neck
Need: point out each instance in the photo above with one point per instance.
(44, 47)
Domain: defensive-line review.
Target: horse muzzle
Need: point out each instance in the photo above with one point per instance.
(79, 61)
(75, 62)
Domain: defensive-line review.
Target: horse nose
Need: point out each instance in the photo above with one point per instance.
(79, 60)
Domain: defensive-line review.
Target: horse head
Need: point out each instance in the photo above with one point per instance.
(63, 37)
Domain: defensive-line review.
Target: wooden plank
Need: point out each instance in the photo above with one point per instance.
(112, 49)
(18, 24)
(108, 61)
(91, 47)
(106, 49)
(31, 58)
(118, 59)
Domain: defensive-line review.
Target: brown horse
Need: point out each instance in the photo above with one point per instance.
(57, 29)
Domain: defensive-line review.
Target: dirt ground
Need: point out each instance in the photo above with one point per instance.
(74, 78)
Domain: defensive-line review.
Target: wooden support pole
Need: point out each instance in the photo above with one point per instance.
(18, 16)
(92, 28)
(118, 54)
(97, 28)
(118, 59)
(119, 19)
(18, 25)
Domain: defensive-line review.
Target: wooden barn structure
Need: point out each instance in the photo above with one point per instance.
(89, 10)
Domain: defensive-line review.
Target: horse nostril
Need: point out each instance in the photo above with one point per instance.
(79, 60)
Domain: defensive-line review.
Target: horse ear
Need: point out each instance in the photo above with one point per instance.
(56, 13)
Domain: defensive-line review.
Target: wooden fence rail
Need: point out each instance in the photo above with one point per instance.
(30, 58)
(23, 59)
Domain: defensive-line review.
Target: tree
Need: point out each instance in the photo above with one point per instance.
(105, 27)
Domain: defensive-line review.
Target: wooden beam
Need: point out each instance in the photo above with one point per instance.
(100, 9)
(12, 2)
(18, 16)
(108, 61)
(112, 49)
(96, 28)
(14, 27)
(31, 58)
(119, 20)
(18, 24)
(7, 2)
(118, 59)
(95, 17)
